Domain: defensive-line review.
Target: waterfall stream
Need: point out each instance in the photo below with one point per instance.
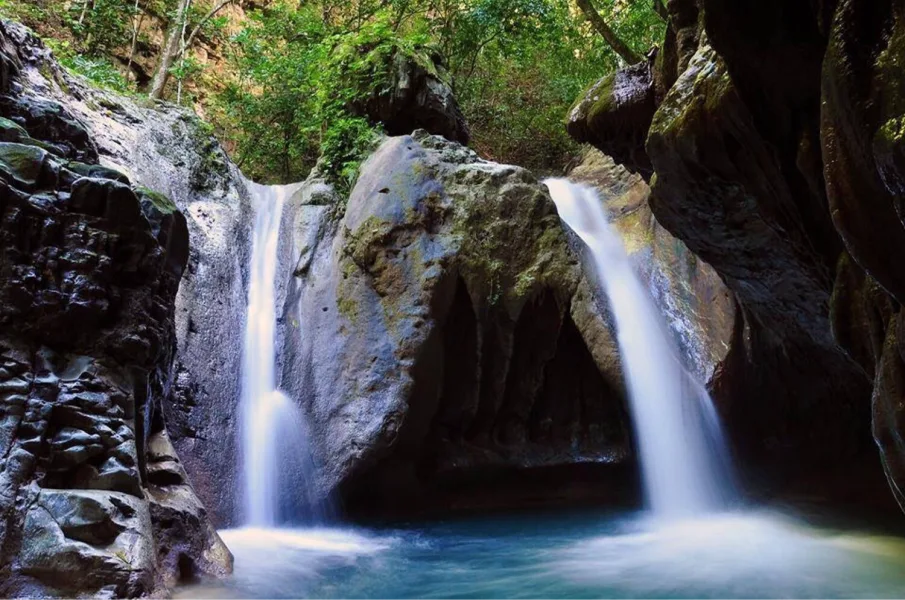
(689, 549)
(274, 435)
(675, 423)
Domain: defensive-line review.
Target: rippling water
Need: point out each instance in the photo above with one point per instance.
(564, 556)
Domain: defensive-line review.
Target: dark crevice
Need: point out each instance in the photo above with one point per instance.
(533, 345)
(461, 369)
(576, 406)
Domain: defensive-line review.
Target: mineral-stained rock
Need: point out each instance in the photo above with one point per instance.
(697, 306)
(448, 350)
(88, 278)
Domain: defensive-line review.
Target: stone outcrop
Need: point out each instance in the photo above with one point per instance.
(418, 95)
(774, 147)
(93, 498)
(169, 150)
(445, 344)
(615, 113)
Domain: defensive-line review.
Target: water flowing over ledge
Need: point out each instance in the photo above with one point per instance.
(678, 433)
(276, 457)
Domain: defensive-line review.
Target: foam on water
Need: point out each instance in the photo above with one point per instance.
(578, 555)
(735, 554)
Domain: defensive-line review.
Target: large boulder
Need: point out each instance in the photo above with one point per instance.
(417, 95)
(445, 345)
(615, 113)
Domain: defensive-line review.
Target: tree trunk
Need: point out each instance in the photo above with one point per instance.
(620, 47)
(137, 18)
(660, 9)
(177, 44)
(169, 52)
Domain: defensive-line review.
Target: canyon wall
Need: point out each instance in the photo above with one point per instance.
(770, 139)
(93, 497)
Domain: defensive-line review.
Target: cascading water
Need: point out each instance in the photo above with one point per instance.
(711, 555)
(274, 439)
(674, 420)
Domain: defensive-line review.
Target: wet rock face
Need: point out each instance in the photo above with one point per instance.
(88, 277)
(774, 150)
(168, 150)
(449, 352)
(698, 307)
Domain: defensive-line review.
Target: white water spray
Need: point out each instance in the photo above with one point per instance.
(274, 440)
(674, 419)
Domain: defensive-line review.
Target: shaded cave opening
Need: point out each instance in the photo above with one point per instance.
(506, 415)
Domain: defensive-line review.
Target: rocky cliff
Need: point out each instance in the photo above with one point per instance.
(771, 141)
(93, 498)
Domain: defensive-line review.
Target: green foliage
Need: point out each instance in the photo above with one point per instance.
(98, 70)
(289, 93)
(101, 25)
(298, 80)
(516, 67)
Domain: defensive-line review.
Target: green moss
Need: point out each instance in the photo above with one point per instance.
(21, 162)
(347, 307)
(893, 130)
(11, 132)
(99, 171)
(159, 201)
(602, 98)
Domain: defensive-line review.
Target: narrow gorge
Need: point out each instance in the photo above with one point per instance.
(673, 369)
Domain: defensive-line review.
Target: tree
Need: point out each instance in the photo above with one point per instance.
(618, 46)
(177, 43)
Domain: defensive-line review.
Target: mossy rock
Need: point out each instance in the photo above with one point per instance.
(97, 171)
(158, 201)
(11, 132)
(615, 113)
(21, 163)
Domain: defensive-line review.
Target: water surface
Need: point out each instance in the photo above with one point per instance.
(735, 554)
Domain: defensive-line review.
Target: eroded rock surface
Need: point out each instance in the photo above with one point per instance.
(89, 502)
(698, 307)
(774, 146)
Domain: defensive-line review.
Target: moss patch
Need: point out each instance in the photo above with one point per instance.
(159, 201)
(22, 163)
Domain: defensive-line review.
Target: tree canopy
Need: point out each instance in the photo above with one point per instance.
(286, 71)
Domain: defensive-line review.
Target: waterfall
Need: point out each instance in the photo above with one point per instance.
(676, 426)
(273, 432)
